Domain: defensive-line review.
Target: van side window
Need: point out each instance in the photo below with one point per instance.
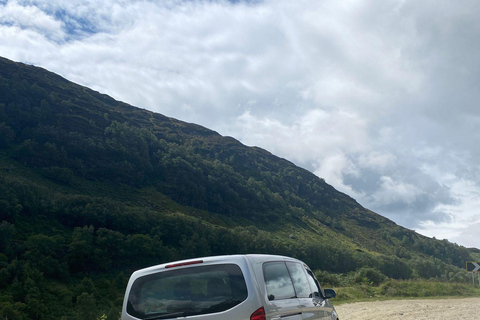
(300, 281)
(278, 281)
(315, 287)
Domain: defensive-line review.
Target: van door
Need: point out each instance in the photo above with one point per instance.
(282, 301)
(317, 305)
(308, 301)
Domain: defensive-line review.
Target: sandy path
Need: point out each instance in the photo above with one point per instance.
(465, 309)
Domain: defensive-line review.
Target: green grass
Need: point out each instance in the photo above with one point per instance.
(394, 289)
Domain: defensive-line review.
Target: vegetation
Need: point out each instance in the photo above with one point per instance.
(401, 289)
(92, 189)
(370, 284)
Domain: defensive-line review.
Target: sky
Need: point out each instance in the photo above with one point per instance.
(380, 97)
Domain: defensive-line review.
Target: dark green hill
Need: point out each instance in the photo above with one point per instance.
(92, 188)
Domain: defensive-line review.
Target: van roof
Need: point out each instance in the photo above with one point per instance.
(221, 258)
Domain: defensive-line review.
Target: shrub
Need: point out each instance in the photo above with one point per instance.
(370, 276)
(58, 174)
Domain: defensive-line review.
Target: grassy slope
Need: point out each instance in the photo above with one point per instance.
(353, 227)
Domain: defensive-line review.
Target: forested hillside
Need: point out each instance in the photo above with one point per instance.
(92, 189)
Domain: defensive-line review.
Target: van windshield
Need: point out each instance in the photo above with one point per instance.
(187, 291)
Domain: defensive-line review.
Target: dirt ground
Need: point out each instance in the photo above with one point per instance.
(465, 309)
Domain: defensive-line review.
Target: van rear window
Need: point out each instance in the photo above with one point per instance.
(187, 291)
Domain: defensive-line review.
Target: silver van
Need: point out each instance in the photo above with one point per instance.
(237, 287)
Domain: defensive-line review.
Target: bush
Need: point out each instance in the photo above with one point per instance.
(369, 276)
(327, 279)
(395, 268)
(58, 174)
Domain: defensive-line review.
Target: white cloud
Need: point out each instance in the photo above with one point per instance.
(464, 213)
(334, 167)
(30, 18)
(377, 97)
(468, 235)
(376, 160)
(392, 191)
(311, 136)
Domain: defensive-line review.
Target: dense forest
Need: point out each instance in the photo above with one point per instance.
(92, 189)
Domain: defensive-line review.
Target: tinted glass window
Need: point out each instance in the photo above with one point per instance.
(313, 284)
(299, 277)
(278, 281)
(188, 291)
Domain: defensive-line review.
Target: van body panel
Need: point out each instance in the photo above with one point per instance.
(321, 309)
(157, 286)
(288, 309)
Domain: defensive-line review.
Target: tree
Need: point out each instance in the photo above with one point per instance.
(86, 307)
(80, 249)
(6, 135)
(6, 232)
(36, 307)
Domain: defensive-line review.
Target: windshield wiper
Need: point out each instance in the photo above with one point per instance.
(166, 316)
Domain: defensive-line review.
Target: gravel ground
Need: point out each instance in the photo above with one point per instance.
(444, 309)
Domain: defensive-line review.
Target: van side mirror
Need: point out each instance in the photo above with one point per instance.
(330, 293)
